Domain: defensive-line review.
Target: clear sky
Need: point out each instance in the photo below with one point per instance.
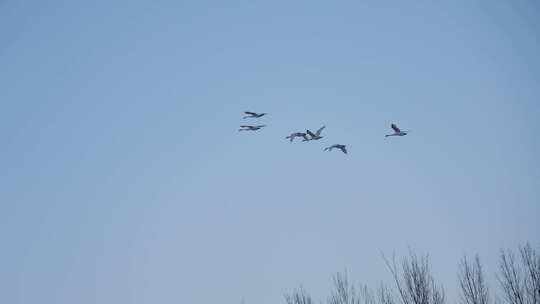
(125, 180)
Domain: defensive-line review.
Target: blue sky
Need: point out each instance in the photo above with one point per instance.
(125, 179)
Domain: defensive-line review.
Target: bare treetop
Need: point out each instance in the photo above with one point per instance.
(520, 283)
(473, 289)
(298, 296)
(344, 292)
(415, 283)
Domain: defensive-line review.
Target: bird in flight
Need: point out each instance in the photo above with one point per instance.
(343, 148)
(254, 115)
(298, 134)
(317, 135)
(397, 131)
(251, 128)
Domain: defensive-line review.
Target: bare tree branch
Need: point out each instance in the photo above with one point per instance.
(510, 278)
(473, 289)
(298, 296)
(344, 293)
(385, 295)
(531, 263)
(415, 283)
(520, 283)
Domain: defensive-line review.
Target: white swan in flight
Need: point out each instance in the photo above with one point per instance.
(298, 134)
(397, 131)
(343, 148)
(254, 115)
(251, 128)
(317, 135)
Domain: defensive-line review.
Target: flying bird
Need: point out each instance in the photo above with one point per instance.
(254, 115)
(317, 135)
(251, 128)
(397, 131)
(298, 134)
(343, 148)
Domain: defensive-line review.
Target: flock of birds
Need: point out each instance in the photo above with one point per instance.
(312, 136)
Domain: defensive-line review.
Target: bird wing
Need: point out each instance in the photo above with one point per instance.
(251, 113)
(260, 126)
(343, 148)
(310, 133)
(245, 126)
(396, 129)
(320, 130)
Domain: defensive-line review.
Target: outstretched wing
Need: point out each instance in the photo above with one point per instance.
(396, 129)
(245, 126)
(343, 148)
(260, 126)
(251, 113)
(320, 130)
(310, 133)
